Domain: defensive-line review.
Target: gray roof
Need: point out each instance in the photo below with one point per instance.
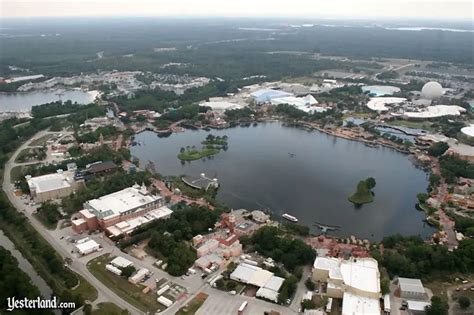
(411, 285)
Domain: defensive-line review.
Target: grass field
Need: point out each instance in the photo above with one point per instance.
(41, 141)
(192, 307)
(412, 124)
(109, 309)
(17, 171)
(126, 290)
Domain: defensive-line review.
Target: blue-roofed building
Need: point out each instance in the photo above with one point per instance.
(266, 95)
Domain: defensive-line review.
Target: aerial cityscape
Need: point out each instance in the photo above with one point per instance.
(176, 158)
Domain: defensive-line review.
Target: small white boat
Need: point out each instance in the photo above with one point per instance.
(289, 217)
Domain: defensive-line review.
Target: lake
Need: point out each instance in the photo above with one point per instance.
(23, 101)
(312, 183)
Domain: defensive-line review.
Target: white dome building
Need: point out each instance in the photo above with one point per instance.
(468, 131)
(432, 90)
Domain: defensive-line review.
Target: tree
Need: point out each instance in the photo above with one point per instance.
(307, 305)
(422, 197)
(128, 271)
(385, 286)
(464, 302)
(370, 182)
(437, 307)
(310, 284)
(438, 149)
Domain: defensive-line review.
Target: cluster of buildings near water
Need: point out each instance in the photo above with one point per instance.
(125, 82)
(421, 106)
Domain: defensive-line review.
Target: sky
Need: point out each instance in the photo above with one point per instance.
(426, 9)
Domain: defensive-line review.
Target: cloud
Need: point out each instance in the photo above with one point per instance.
(460, 9)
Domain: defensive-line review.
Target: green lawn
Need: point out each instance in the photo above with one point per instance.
(192, 307)
(85, 289)
(109, 309)
(17, 171)
(126, 290)
(191, 155)
(41, 141)
(412, 124)
(360, 198)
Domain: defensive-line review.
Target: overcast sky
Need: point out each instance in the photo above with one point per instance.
(431, 9)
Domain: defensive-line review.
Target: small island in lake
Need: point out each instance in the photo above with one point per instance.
(212, 146)
(364, 192)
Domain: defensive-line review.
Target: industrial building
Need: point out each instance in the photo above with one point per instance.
(411, 289)
(87, 246)
(52, 186)
(355, 281)
(266, 95)
(121, 212)
(200, 182)
(266, 281)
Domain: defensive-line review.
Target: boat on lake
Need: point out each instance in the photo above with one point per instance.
(289, 217)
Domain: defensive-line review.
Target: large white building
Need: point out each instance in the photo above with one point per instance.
(122, 203)
(51, 186)
(266, 281)
(355, 281)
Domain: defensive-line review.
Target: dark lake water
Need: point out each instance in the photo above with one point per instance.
(258, 172)
(23, 101)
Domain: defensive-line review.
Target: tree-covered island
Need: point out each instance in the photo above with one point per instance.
(364, 192)
(211, 146)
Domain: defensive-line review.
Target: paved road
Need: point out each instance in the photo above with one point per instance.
(104, 293)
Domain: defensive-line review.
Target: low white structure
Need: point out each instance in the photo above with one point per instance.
(357, 304)
(165, 301)
(412, 289)
(221, 106)
(436, 111)
(87, 247)
(139, 275)
(113, 269)
(268, 283)
(468, 131)
(417, 307)
(121, 262)
(379, 104)
(128, 226)
(307, 103)
(380, 90)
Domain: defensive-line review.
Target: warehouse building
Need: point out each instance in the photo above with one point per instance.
(355, 281)
(268, 284)
(52, 186)
(121, 212)
(411, 289)
(266, 95)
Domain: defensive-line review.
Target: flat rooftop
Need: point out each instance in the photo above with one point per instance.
(122, 201)
(355, 304)
(49, 182)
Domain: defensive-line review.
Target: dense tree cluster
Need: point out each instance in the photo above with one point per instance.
(49, 213)
(269, 241)
(179, 255)
(412, 257)
(107, 132)
(437, 149)
(437, 307)
(15, 283)
(241, 113)
(36, 249)
(453, 167)
(287, 289)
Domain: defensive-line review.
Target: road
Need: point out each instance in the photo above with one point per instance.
(104, 293)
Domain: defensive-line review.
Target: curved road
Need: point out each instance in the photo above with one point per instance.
(104, 293)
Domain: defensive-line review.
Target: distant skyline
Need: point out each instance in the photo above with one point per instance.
(425, 9)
